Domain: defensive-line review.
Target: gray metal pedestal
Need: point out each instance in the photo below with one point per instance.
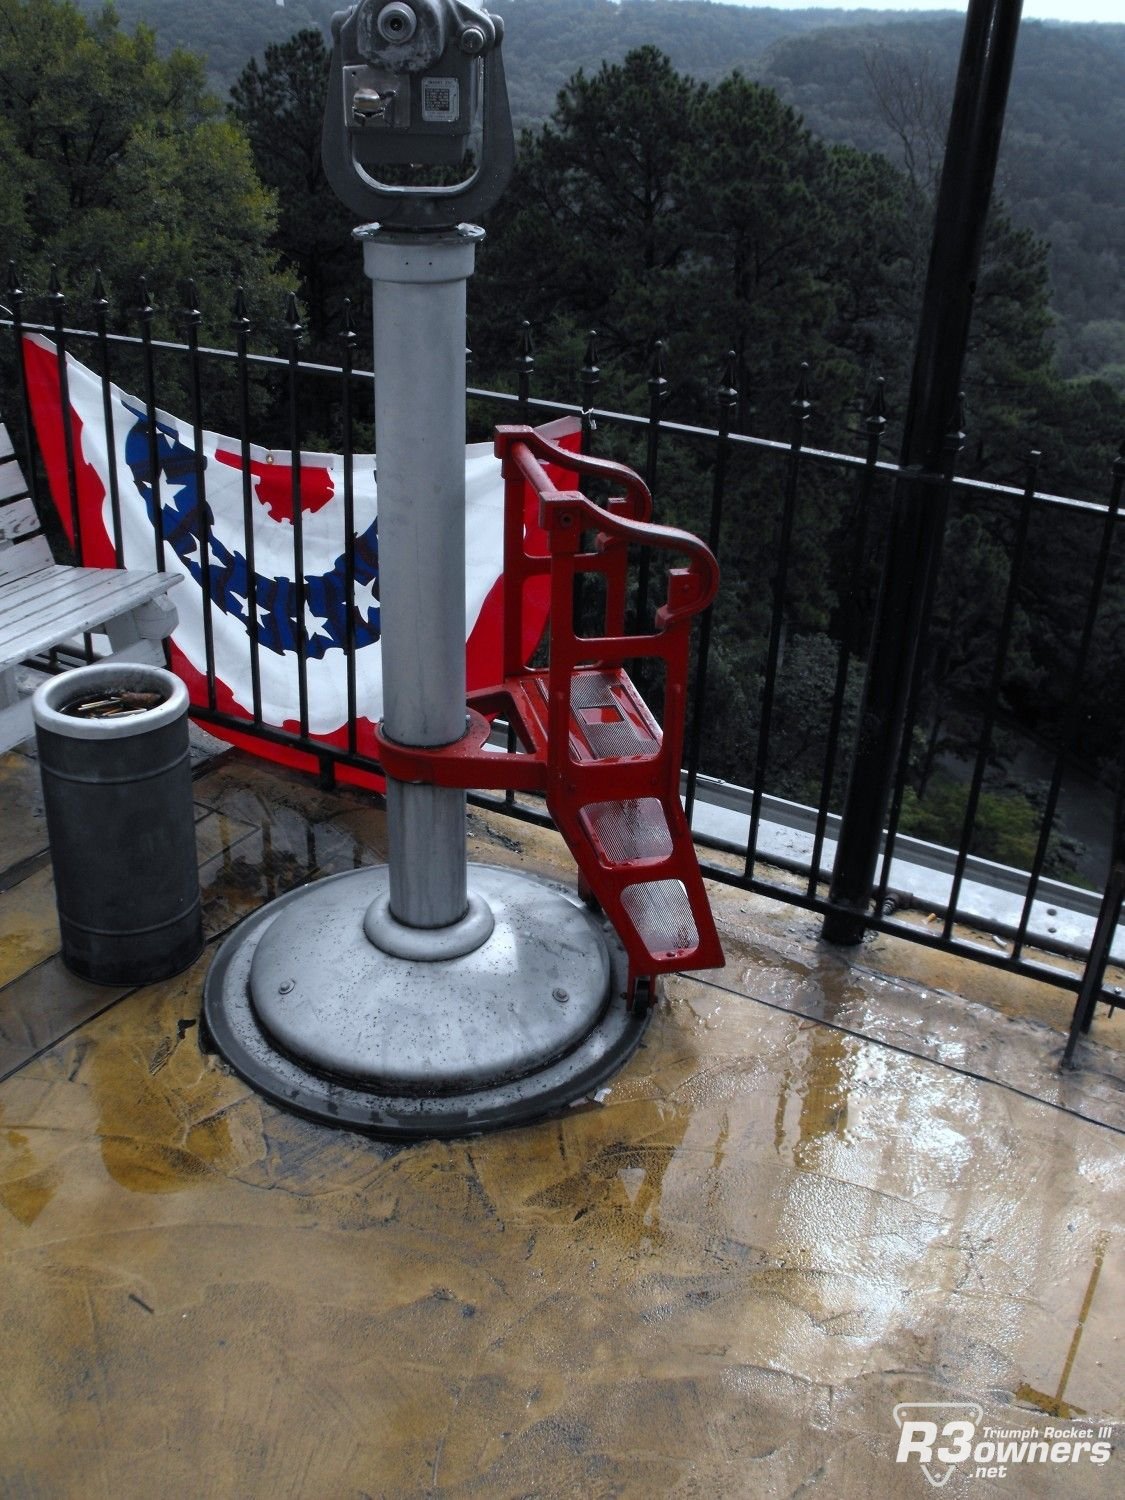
(427, 997)
(315, 1016)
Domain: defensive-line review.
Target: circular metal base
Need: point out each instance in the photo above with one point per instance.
(315, 1017)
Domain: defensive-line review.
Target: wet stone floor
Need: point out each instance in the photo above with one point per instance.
(825, 1187)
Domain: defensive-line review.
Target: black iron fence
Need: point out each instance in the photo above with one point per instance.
(1011, 732)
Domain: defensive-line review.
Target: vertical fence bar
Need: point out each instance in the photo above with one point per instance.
(191, 317)
(726, 402)
(300, 600)
(657, 395)
(917, 520)
(525, 367)
(800, 409)
(242, 337)
(1070, 716)
(57, 300)
(1108, 917)
(15, 303)
(1003, 641)
(101, 308)
(145, 313)
(954, 443)
(590, 377)
(347, 359)
(875, 424)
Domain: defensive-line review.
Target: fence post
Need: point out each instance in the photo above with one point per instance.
(590, 378)
(56, 297)
(294, 332)
(191, 317)
(145, 312)
(101, 314)
(657, 395)
(1105, 929)
(800, 410)
(918, 511)
(525, 368)
(240, 322)
(875, 425)
(15, 296)
(348, 342)
(726, 400)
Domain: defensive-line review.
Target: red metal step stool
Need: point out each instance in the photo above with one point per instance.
(586, 738)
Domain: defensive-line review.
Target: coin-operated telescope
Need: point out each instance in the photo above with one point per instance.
(417, 83)
(427, 995)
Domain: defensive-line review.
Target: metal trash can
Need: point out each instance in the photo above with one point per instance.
(118, 797)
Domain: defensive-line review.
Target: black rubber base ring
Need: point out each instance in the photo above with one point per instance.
(231, 1025)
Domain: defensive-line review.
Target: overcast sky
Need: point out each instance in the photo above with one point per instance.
(1035, 10)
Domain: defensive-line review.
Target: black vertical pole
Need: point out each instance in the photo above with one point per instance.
(145, 313)
(101, 310)
(191, 316)
(347, 359)
(15, 304)
(657, 395)
(1105, 929)
(525, 366)
(590, 378)
(918, 511)
(726, 397)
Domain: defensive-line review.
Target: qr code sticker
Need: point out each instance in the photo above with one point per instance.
(440, 99)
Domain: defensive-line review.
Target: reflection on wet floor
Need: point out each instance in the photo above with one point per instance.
(821, 1094)
(719, 1282)
(1054, 1405)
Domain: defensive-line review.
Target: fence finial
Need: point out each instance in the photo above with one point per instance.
(293, 319)
(525, 361)
(145, 309)
(238, 315)
(190, 312)
(657, 380)
(876, 417)
(801, 405)
(727, 390)
(347, 332)
(955, 432)
(591, 370)
(525, 364)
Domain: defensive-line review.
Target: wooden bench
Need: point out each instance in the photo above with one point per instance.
(44, 605)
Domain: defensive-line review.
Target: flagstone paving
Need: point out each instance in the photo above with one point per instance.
(818, 1190)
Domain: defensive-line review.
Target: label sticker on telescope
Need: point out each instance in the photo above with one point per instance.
(441, 100)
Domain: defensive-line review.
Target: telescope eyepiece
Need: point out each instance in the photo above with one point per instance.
(396, 23)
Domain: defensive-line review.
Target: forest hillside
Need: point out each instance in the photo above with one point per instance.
(733, 259)
(877, 80)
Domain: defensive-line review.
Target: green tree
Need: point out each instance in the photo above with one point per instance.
(654, 206)
(594, 229)
(754, 181)
(280, 104)
(111, 156)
